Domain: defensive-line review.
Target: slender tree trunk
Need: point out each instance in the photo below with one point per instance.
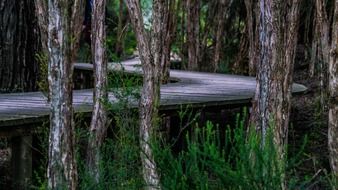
(151, 54)
(252, 23)
(314, 48)
(182, 37)
(119, 44)
(333, 94)
(63, 33)
(171, 22)
(42, 18)
(193, 38)
(278, 40)
(242, 54)
(98, 125)
(19, 44)
(324, 48)
(223, 11)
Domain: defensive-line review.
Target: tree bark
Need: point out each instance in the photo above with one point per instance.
(323, 28)
(63, 34)
(193, 38)
(278, 40)
(42, 18)
(333, 94)
(252, 23)
(170, 27)
(98, 125)
(19, 44)
(242, 54)
(223, 11)
(119, 44)
(151, 54)
(314, 48)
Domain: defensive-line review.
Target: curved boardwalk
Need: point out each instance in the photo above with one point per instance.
(20, 112)
(193, 88)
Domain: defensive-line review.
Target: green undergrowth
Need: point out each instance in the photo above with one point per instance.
(237, 160)
(212, 157)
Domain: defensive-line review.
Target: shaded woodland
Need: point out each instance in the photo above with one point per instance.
(282, 140)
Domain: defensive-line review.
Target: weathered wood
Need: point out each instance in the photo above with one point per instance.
(195, 88)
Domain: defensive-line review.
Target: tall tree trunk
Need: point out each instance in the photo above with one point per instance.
(151, 54)
(242, 54)
(323, 28)
(193, 38)
(333, 92)
(222, 14)
(19, 44)
(98, 125)
(63, 33)
(278, 40)
(183, 34)
(314, 47)
(119, 44)
(170, 27)
(42, 17)
(252, 23)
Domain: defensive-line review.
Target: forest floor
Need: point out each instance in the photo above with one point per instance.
(307, 120)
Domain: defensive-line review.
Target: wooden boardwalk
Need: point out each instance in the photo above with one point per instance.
(20, 112)
(193, 88)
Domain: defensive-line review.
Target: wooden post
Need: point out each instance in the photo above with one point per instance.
(21, 161)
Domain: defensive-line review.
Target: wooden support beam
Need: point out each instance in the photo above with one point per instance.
(21, 161)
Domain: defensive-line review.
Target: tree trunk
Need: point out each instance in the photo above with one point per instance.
(98, 125)
(19, 44)
(333, 94)
(63, 33)
(151, 54)
(323, 28)
(241, 57)
(170, 27)
(278, 40)
(193, 38)
(119, 44)
(42, 17)
(223, 11)
(314, 49)
(252, 23)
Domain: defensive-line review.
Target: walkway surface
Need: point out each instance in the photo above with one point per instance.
(192, 88)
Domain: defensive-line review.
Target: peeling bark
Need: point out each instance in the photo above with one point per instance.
(278, 39)
(333, 95)
(63, 33)
(151, 54)
(98, 125)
